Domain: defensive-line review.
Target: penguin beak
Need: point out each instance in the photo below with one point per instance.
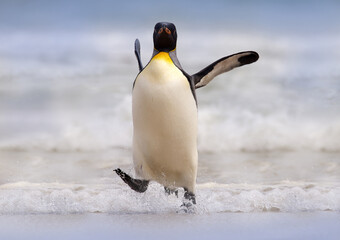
(164, 30)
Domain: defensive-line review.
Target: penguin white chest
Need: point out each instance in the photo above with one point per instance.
(165, 125)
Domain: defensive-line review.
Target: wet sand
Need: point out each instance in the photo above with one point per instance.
(265, 225)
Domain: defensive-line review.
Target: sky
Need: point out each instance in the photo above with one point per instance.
(289, 15)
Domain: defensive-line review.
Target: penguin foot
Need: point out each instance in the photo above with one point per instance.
(187, 207)
(135, 184)
(189, 202)
(169, 191)
(189, 196)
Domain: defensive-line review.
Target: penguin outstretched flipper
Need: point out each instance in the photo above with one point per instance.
(137, 53)
(222, 65)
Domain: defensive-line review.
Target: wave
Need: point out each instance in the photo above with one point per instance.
(65, 91)
(222, 127)
(24, 197)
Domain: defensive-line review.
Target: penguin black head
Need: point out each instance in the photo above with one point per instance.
(164, 37)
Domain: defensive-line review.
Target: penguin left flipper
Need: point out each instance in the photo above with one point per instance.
(222, 65)
(137, 53)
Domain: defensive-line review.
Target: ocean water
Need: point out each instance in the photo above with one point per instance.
(269, 133)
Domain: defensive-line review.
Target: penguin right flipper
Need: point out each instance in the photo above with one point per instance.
(222, 65)
(137, 53)
(135, 184)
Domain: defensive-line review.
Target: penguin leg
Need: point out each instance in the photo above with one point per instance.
(169, 191)
(135, 184)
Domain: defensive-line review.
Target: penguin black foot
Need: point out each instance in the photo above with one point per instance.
(187, 207)
(189, 196)
(169, 191)
(135, 184)
(189, 202)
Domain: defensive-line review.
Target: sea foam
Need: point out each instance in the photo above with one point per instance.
(23, 197)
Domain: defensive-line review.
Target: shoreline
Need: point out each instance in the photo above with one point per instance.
(256, 225)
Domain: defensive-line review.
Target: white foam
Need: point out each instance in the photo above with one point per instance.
(24, 197)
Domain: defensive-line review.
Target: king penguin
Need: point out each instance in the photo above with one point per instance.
(164, 110)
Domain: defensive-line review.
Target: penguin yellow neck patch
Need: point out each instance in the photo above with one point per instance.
(164, 56)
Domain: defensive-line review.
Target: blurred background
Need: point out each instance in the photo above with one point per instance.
(67, 68)
(269, 132)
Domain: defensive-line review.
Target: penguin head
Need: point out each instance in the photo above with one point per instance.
(165, 37)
